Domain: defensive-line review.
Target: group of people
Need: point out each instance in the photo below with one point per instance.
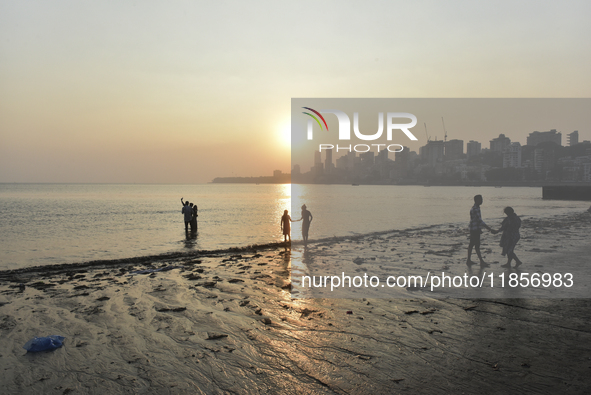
(189, 211)
(510, 228)
(286, 224)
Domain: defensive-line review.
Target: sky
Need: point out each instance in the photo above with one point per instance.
(186, 91)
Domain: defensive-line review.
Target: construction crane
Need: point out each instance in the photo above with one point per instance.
(428, 138)
(445, 131)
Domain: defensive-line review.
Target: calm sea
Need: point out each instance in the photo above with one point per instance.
(45, 224)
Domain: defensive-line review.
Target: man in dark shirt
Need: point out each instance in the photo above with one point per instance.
(188, 214)
(307, 220)
(476, 225)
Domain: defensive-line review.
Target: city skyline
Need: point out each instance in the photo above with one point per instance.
(462, 119)
(542, 158)
(450, 150)
(317, 154)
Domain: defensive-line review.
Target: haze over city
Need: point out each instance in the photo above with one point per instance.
(184, 92)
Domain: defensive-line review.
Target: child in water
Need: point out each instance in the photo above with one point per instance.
(286, 226)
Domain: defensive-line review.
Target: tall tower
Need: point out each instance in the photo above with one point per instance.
(472, 148)
(573, 138)
(500, 143)
(328, 161)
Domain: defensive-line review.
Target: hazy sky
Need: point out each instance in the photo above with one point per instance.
(184, 91)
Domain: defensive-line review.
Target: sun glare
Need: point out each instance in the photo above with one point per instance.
(286, 135)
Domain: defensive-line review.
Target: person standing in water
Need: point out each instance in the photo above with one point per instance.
(188, 213)
(193, 217)
(510, 228)
(286, 226)
(476, 225)
(307, 220)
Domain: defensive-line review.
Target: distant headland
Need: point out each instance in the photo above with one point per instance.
(278, 177)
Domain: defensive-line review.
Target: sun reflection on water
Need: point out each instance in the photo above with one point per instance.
(283, 202)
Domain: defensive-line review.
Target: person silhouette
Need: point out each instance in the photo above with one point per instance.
(194, 217)
(476, 225)
(510, 228)
(306, 221)
(188, 213)
(286, 226)
(193, 222)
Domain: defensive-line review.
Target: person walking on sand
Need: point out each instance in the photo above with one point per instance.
(286, 226)
(188, 213)
(510, 228)
(307, 220)
(476, 225)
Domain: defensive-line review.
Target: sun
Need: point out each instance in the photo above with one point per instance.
(285, 135)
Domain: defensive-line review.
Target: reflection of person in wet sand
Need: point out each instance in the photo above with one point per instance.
(307, 220)
(476, 225)
(286, 226)
(510, 228)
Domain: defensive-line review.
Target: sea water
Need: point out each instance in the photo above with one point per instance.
(45, 224)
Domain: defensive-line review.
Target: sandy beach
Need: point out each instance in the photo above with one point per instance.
(227, 322)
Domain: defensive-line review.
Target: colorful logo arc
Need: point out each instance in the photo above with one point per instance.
(317, 113)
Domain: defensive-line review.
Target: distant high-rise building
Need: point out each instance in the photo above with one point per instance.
(402, 163)
(328, 166)
(352, 158)
(402, 155)
(472, 148)
(382, 157)
(500, 143)
(573, 138)
(317, 157)
(277, 173)
(342, 162)
(296, 170)
(587, 172)
(545, 156)
(512, 155)
(367, 158)
(454, 149)
(552, 136)
(318, 169)
(433, 152)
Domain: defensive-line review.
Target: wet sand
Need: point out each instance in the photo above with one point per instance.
(226, 322)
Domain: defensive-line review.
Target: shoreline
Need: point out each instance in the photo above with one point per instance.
(228, 323)
(146, 259)
(174, 255)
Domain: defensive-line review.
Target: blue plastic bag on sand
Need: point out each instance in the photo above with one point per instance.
(47, 343)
